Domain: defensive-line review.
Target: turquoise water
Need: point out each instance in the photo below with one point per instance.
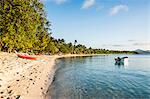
(98, 77)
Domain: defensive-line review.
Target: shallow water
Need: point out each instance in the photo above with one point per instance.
(98, 77)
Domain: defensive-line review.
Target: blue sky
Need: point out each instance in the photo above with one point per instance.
(110, 24)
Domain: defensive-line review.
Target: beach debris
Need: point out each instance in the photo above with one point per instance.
(18, 96)
(2, 92)
(18, 74)
(31, 79)
(10, 91)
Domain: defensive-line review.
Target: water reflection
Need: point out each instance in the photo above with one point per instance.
(122, 64)
(119, 63)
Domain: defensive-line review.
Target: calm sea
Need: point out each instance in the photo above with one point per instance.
(98, 77)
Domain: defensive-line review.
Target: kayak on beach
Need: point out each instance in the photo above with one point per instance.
(26, 57)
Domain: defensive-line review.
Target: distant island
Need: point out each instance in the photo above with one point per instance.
(139, 51)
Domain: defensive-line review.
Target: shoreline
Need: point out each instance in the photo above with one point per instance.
(28, 79)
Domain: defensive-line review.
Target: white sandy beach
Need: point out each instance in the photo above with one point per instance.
(26, 79)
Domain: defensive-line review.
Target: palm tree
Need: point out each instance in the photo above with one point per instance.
(75, 42)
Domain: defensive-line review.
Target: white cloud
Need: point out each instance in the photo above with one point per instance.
(142, 44)
(114, 45)
(88, 3)
(118, 8)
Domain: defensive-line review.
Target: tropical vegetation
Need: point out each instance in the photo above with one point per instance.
(25, 28)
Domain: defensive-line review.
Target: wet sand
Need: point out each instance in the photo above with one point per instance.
(26, 79)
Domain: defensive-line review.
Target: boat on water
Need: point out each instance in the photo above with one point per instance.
(121, 61)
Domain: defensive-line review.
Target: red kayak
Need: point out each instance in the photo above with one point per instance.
(26, 57)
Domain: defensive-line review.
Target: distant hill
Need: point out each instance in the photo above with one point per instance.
(142, 51)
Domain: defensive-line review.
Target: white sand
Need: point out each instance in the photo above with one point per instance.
(26, 79)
